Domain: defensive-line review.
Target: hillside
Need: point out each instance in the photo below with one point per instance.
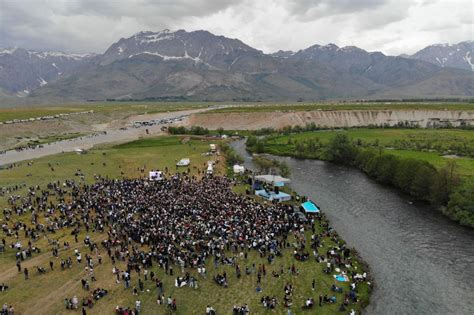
(199, 65)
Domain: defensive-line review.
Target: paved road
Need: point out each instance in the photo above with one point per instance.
(87, 142)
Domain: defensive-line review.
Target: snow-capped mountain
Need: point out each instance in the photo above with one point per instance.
(22, 71)
(459, 55)
(199, 65)
(198, 46)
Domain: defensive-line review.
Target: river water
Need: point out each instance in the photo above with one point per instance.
(422, 262)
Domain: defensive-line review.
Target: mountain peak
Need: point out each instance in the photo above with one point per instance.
(460, 55)
(172, 46)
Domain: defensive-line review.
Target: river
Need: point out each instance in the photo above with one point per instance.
(422, 262)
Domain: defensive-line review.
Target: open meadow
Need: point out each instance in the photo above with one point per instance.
(45, 293)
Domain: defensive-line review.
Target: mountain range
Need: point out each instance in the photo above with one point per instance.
(459, 55)
(199, 65)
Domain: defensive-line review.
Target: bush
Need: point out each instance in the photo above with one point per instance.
(195, 130)
(461, 203)
(232, 157)
(340, 150)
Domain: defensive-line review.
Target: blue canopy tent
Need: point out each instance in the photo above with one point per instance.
(310, 207)
(271, 195)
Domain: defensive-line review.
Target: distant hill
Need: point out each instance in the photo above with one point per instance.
(22, 71)
(444, 55)
(199, 65)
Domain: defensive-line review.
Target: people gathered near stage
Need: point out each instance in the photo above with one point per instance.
(179, 223)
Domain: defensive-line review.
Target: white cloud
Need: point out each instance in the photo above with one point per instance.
(390, 26)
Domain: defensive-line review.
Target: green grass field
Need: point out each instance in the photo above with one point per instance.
(110, 161)
(425, 144)
(45, 294)
(344, 106)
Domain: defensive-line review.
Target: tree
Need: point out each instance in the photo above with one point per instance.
(340, 150)
(461, 203)
(260, 146)
(445, 182)
(423, 179)
(405, 173)
(251, 141)
(386, 168)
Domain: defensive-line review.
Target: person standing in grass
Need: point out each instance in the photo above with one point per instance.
(138, 306)
(25, 271)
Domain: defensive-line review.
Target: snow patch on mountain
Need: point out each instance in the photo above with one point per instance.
(468, 59)
(42, 81)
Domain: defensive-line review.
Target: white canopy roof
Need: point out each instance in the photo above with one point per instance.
(272, 179)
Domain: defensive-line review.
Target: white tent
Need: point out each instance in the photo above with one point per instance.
(272, 179)
(155, 175)
(183, 162)
(238, 169)
(210, 169)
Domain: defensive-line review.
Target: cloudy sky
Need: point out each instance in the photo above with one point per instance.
(390, 26)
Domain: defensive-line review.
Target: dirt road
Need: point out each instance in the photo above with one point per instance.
(111, 135)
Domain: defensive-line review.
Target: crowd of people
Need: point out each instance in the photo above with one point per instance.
(181, 222)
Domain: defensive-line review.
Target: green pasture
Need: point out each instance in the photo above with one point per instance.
(433, 145)
(45, 294)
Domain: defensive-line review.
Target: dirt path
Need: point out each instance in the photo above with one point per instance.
(40, 260)
(87, 142)
(44, 303)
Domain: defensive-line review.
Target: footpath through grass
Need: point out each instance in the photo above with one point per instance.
(45, 294)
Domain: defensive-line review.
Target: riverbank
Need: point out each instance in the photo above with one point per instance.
(422, 261)
(409, 159)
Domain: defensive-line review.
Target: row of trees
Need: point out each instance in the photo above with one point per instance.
(232, 157)
(194, 130)
(418, 178)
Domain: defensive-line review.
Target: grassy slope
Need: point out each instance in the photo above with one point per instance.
(387, 138)
(45, 293)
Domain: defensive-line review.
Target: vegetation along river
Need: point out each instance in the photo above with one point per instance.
(422, 262)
